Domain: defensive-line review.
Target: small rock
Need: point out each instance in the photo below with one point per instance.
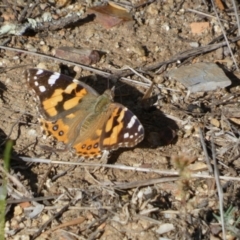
(164, 228)
(18, 210)
(45, 217)
(30, 48)
(32, 132)
(200, 77)
(215, 122)
(45, 49)
(194, 44)
(138, 49)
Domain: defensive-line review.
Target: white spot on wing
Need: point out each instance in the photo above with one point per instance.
(40, 71)
(132, 121)
(42, 89)
(53, 78)
(36, 83)
(140, 128)
(126, 135)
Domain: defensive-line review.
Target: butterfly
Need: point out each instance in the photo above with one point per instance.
(75, 114)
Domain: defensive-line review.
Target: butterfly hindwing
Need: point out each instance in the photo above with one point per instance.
(122, 129)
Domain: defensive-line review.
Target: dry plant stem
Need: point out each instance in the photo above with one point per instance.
(154, 221)
(95, 70)
(91, 69)
(219, 188)
(127, 168)
(37, 199)
(190, 53)
(142, 4)
(30, 10)
(179, 57)
(6, 2)
(73, 222)
(63, 173)
(221, 37)
(43, 181)
(60, 23)
(122, 74)
(6, 69)
(147, 182)
(236, 14)
(225, 37)
(205, 151)
(26, 10)
(99, 229)
(80, 208)
(138, 74)
(203, 14)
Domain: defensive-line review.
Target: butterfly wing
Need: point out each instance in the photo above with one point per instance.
(122, 129)
(63, 103)
(115, 127)
(58, 95)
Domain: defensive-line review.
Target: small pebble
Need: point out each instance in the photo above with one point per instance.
(30, 48)
(215, 122)
(45, 49)
(194, 44)
(32, 132)
(45, 217)
(18, 210)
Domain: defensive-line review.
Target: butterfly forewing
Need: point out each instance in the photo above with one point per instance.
(58, 94)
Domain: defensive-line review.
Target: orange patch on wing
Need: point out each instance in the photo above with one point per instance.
(109, 124)
(50, 104)
(70, 87)
(89, 148)
(71, 115)
(71, 103)
(61, 132)
(81, 93)
(75, 100)
(113, 139)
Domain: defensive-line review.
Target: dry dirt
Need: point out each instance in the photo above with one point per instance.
(87, 202)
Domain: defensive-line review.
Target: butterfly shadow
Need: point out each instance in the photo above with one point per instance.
(160, 131)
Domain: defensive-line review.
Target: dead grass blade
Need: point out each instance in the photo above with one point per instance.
(225, 37)
(123, 167)
(236, 14)
(219, 188)
(205, 152)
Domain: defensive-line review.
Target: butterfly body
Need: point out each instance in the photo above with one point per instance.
(75, 114)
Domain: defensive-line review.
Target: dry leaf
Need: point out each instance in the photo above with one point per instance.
(109, 16)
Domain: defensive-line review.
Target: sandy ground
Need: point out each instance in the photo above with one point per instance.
(105, 203)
